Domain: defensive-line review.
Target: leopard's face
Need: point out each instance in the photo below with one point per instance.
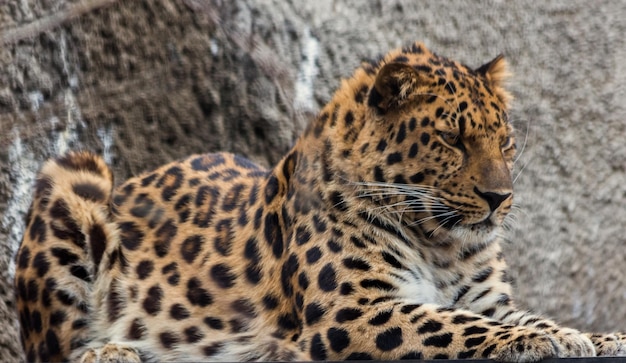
(437, 152)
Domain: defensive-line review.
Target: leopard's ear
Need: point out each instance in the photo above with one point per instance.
(395, 82)
(496, 72)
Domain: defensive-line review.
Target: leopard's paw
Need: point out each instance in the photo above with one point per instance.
(572, 343)
(110, 353)
(527, 344)
(613, 344)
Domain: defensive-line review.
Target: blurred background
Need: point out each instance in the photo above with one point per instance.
(146, 82)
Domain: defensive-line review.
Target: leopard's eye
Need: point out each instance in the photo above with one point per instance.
(507, 143)
(450, 138)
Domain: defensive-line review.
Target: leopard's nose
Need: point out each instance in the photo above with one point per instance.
(494, 200)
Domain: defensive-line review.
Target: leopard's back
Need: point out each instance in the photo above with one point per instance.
(177, 257)
(193, 268)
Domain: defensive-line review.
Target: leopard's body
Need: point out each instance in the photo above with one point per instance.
(375, 237)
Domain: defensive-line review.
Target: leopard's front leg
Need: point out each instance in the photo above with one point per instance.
(401, 329)
(490, 295)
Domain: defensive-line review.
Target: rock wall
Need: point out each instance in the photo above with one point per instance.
(146, 82)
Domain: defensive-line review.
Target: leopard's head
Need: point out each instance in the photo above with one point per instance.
(430, 146)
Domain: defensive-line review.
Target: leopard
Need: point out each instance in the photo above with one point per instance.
(377, 236)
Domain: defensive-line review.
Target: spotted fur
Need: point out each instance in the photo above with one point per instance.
(375, 237)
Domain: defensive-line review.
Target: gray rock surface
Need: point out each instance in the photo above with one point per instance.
(146, 82)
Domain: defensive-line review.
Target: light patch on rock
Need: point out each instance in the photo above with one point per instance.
(23, 168)
(63, 141)
(36, 99)
(307, 73)
(68, 138)
(214, 47)
(73, 82)
(106, 137)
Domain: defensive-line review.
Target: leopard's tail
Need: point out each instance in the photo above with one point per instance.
(69, 224)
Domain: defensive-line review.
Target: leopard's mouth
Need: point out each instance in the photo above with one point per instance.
(458, 226)
(485, 224)
(452, 221)
(443, 224)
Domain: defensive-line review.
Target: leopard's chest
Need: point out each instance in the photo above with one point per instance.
(421, 286)
(426, 282)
